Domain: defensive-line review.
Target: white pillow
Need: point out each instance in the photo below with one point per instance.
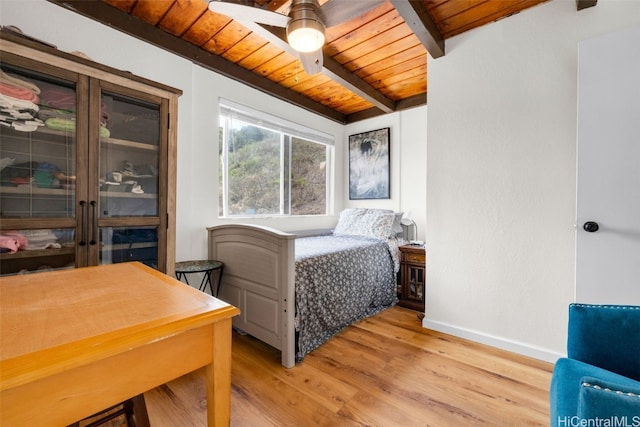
(375, 223)
(380, 224)
(350, 221)
(396, 228)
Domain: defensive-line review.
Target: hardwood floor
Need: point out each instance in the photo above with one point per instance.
(384, 371)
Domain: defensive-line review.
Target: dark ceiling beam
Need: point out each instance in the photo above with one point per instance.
(119, 20)
(412, 101)
(336, 72)
(404, 104)
(369, 113)
(584, 4)
(330, 67)
(417, 17)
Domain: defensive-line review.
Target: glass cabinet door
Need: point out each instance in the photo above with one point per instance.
(38, 167)
(122, 244)
(84, 163)
(130, 165)
(129, 157)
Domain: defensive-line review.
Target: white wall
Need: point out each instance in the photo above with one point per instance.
(501, 167)
(203, 170)
(408, 131)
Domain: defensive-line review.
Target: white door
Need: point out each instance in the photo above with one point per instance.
(608, 260)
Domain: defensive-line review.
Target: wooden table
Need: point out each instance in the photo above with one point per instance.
(77, 341)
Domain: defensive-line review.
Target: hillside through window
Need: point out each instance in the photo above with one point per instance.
(270, 167)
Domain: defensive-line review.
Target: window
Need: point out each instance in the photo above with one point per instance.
(269, 166)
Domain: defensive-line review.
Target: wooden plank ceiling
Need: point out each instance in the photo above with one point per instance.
(374, 64)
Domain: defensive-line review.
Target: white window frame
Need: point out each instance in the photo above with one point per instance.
(230, 110)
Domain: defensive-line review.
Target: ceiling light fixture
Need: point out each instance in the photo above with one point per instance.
(305, 30)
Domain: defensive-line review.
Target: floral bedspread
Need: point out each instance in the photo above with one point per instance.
(339, 280)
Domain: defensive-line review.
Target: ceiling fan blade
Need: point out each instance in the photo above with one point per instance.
(311, 61)
(336, 12)
(241, 12)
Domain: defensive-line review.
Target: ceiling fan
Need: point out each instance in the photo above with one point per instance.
(305, 23)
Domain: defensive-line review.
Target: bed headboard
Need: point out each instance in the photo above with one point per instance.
(258, 278)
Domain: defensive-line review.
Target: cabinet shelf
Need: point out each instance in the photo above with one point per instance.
(38, 253)
(129, 144)
(34, 190)
(45, 134)
(62, 192)
(35, 253)
(45, 131)
(128, 195)
(138, 245)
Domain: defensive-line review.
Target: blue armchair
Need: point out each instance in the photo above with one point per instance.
(600, 377)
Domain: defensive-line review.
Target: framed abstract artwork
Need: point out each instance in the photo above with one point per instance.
(369, 165)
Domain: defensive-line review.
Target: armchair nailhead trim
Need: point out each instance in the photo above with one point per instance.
(597, 387)
(619, 307)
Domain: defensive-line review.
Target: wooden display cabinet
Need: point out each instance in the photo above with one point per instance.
(88, 162)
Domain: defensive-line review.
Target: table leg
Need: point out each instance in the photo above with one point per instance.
(219, 281)
(206, 279)
(179, 276)
(140, 411)
(218, 377)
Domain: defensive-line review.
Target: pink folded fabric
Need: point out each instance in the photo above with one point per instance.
(64, 98)
(19, 81)
(13, 241)
(18, 92)
(58, 97)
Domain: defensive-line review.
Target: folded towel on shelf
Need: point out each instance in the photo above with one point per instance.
(58, 123)
(18, 92)
(6, 161)
(64, 98)
(56, 96)
(10, 115)
(26, 126)
(41, 239)
(51, 113)
(19, 81)
(19, 173)
(19, 114)
(17, 107)
(12, 240)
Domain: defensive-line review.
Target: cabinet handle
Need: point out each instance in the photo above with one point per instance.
(83, 223)
(94, 222)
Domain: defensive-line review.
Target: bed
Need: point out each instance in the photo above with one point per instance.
(294, 293)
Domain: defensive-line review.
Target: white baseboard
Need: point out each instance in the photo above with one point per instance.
(498, 342)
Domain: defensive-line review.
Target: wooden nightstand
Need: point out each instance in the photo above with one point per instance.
(411, 287)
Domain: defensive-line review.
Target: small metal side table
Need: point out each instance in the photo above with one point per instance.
(201, 266)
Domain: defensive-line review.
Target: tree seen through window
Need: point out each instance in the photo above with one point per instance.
(269, 172)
